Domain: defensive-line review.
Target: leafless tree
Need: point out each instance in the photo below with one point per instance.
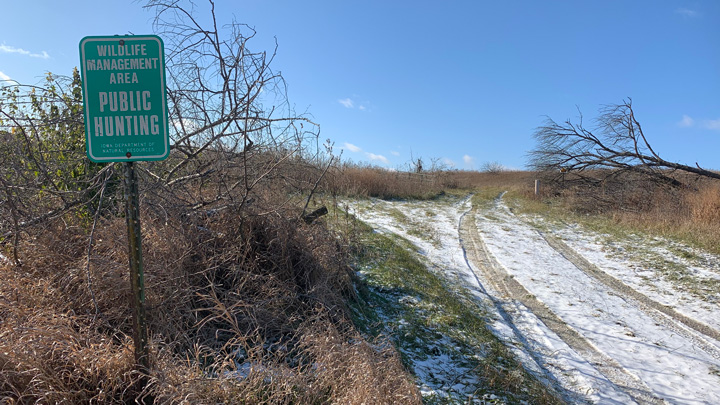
(231, 122)
(493, 167)
(232, 131)
(617, 143)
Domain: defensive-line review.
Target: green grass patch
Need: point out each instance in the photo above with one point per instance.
(486, 197)
(428, 317)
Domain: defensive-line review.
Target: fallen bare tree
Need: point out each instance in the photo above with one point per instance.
(616, 145)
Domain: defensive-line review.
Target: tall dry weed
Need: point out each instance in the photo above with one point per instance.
(690, 212)
(50, 354)
(367, 181)
(342, 358)
(705, 206)
(229, 299)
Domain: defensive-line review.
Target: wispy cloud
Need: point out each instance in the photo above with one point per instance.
(353, 103)
(469, 161)
(346, 102)
(712, 124)
(686, 12)
(395, 153)
(11, 49)
(686, 121)
(4, 77)
(449, 162)
(379, 158)
(352, 148)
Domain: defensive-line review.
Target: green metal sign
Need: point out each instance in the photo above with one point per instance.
(123, 81)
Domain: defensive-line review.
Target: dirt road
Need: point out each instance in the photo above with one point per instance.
(603, 326)
(648, 350)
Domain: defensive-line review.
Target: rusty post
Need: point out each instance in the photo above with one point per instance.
(137, 279)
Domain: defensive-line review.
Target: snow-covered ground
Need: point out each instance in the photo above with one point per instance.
(636, 352)
(433, 229)
(643, 265)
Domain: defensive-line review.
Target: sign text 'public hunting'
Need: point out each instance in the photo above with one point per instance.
(124, 95)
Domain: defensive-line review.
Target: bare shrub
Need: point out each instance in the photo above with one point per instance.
(232, 273)
(236, 304)
(494, 167)
(617, 143)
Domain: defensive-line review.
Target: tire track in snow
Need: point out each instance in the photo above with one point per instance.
(696, 331)
(547, 377)
(506, 285)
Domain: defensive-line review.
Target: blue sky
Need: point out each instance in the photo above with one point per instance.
(461, 82)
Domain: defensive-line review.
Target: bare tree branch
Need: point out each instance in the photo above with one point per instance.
(617, 143)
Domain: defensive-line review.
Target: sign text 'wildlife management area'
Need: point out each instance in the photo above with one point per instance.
(124, 91)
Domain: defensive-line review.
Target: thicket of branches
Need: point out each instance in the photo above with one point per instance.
(616, 145)
(244, 299)
(232, 130)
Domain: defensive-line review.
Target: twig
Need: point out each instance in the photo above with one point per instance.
(307, 202)
(90, 244)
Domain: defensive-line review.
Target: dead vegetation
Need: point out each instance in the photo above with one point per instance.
(246, 302)
(368, 181)
(611, 169)
(241, 308)
(689, 210)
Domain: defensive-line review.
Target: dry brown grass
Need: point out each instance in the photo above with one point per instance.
(381, 183)
(341, 363)
(242, 308)
(704, 206)
(690, 212)
(362, 181)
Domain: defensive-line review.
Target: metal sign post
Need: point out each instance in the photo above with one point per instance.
(137, 278)
(123, 82)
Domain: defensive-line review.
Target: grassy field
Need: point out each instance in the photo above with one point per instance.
(255, 306)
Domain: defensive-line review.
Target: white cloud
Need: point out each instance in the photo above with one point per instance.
(4, 77)
(686, 12)
(469, 161)
(686, 121)
(395, 153)
(712, 124)
(449, 162)
(352, 148)
(362, 108)
(380, 158)
(347, 103)
(11, 49)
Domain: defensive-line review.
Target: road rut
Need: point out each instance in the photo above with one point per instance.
(506, 285)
